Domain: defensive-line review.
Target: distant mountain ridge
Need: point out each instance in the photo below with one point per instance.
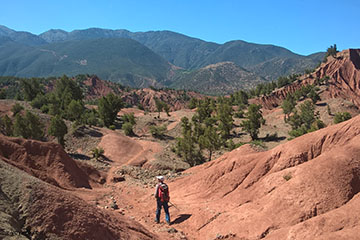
(184, 51)
(22, 54)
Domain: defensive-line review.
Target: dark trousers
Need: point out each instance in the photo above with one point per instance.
(166, 210)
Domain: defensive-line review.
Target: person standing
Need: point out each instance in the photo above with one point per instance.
(162, 198)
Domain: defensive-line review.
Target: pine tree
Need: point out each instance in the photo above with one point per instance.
(58, 129)
(254, 121)
(224, 116)
(288, 105)
(16, 108)
(28, 126)
(75, 110)
(159, 106)
(210, 140)
(7, 126)
(108, 107)
(30, 88)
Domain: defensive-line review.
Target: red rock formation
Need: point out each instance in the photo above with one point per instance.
(307, 188)
(46, 161)
(96, 88)
(43, 211)
(344, 82)
(344, 73)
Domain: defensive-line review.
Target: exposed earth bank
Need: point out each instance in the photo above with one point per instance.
(307, 188)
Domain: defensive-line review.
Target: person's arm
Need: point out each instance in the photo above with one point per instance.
(156, 191)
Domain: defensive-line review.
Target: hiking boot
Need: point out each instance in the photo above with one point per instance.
(168, 223)
(157, 221)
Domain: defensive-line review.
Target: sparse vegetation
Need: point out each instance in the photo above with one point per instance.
(158, 131)
(287, 176)
(331, 51)
(305, 120)
(97, 152)
(341, 117)
(128, 129)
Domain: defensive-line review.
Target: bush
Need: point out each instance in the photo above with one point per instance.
(128, 129)
(158, 131)
(287, 177)
(97, 152)
(112, 127)
(130, 118)
(341, 117)
(17, 108)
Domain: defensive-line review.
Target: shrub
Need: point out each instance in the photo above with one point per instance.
(97, 152)
(287, 176)
(128, 129)
(17, 108)
(158, 131)
(341, 117)
(130, 118)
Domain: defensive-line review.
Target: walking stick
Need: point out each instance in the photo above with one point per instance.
(174, 205)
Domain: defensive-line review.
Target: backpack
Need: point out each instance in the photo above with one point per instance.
(163, 193)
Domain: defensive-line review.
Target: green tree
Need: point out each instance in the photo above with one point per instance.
(205, 109)
(159, 106)
(210, 140)
(307, 115)
(30, 88)
(186, 145)
(254, 121)
(241, 98)
(341, 117)
(108, 107)
(306, 120)
(75, 110)
(2, 93)
(7, 126)
(192, 103)
(67, 90)
(288, 106)
(224, 116)
(39, 101)
(314, 96)
(16, 108)
(166, 109)
(58, 129)
(130, 118)
(28, 126)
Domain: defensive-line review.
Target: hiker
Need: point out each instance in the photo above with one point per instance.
(162, 198)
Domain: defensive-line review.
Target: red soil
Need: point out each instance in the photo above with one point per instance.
(46, 161)
(344, 82)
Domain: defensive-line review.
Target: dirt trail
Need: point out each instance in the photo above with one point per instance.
(134, 200)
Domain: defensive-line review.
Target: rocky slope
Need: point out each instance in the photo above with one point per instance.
(216, 79)
(176, 99)
(344, 80)
(307, 188)
(33, 209)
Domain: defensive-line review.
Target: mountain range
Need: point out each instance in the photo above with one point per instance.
(154, 58)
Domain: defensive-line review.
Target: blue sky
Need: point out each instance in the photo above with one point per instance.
(303, 26)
